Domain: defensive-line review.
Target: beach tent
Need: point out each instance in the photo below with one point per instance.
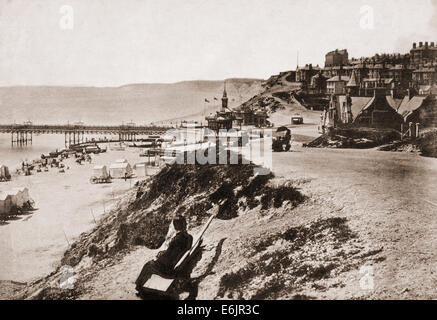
(121, 161)
(20, 196)
(5, 203)
(120, 170)
(140, 170)
(4, 173)
(100, 171)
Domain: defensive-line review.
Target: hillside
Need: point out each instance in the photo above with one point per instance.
(280, 98)
(142, 219)
(142, 103)
(271, 239)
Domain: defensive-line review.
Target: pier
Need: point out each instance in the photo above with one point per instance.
(22, 134)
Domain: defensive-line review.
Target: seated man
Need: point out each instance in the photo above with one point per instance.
(166, 260)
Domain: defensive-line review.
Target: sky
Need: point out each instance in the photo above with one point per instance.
(116, 42)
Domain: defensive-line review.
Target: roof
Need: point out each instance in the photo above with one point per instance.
(353, 80)
(386, 80)
(12, 192)
(17, 189)
(358, 103)
(409, 105)
(376, 100)
(307, 67)
(99, 167)
(337, 79)
(361, 103)
(360, 66)
(320, 75)
(121, 161)
(4, 196)
(376, 66)
(119, 165)
(342, 52)
(394, 103)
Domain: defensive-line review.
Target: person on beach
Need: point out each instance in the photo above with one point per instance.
(166, 260)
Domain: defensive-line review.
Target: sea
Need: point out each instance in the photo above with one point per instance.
(13, 156)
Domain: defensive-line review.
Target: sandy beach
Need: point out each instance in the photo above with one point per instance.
(67, 204)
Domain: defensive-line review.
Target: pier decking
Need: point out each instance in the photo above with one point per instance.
(22, 134)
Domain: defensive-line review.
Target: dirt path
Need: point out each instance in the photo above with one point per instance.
(387, 199)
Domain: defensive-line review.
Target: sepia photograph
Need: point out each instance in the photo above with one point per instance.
(226, 150)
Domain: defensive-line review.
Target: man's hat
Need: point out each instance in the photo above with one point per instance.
(179, 222)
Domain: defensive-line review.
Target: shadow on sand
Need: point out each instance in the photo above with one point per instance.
(191, 285)
(24, 216)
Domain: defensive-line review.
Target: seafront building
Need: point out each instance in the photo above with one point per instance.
(384, 90)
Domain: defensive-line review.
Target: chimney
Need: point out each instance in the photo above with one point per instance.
(414, 45)
(426, 44)
(432, 44)
(420, 44)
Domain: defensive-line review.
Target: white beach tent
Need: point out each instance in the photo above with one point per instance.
(140, 169)
(100, 171)
(120, 170)
(20, 196)
(5, 203)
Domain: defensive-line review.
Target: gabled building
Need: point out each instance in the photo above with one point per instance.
(378, 113)
(401, 75)
(337, 85)
(370, 85)
(423, 54)
(419, 109)
(318, 83)
(336, 58)
(304, 74)
(250, 117)
(349, 108)
(352, 87)
(222, 119)
(425, 76)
